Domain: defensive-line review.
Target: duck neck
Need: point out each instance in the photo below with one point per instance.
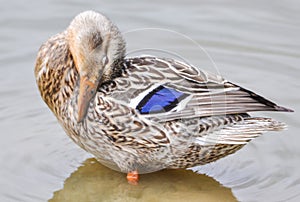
(56, 74)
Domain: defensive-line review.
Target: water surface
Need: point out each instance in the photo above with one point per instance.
(255, 44)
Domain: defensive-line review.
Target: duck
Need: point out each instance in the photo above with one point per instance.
(144, 113)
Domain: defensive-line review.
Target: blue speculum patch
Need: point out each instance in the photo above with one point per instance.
(161, 99)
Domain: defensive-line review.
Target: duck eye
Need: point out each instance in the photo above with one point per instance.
(104, 60)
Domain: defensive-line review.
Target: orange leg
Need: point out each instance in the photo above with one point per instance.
(133, 177)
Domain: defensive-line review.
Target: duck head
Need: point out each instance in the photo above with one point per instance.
(95, 44)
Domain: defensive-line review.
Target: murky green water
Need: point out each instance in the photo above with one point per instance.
(94, 182)
(255, 44)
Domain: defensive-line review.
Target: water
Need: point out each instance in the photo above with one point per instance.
(255, 44)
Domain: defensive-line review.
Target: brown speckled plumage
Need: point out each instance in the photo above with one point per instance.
(208, 122)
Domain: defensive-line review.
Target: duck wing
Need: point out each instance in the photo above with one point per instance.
(166, 89)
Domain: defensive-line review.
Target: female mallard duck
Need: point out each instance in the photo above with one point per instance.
(142, 114)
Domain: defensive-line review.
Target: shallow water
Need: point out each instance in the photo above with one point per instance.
(94, 182)
(255, 44)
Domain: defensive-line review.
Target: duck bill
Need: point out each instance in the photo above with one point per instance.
(87, 91)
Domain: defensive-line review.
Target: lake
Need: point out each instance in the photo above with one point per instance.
(255, 44)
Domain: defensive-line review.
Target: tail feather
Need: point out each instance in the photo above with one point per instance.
(241, 132)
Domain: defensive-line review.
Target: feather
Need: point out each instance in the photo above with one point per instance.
(161, 99)
(211, 95)
(240, 132)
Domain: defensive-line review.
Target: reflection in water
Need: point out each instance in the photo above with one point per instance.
(94, 182)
